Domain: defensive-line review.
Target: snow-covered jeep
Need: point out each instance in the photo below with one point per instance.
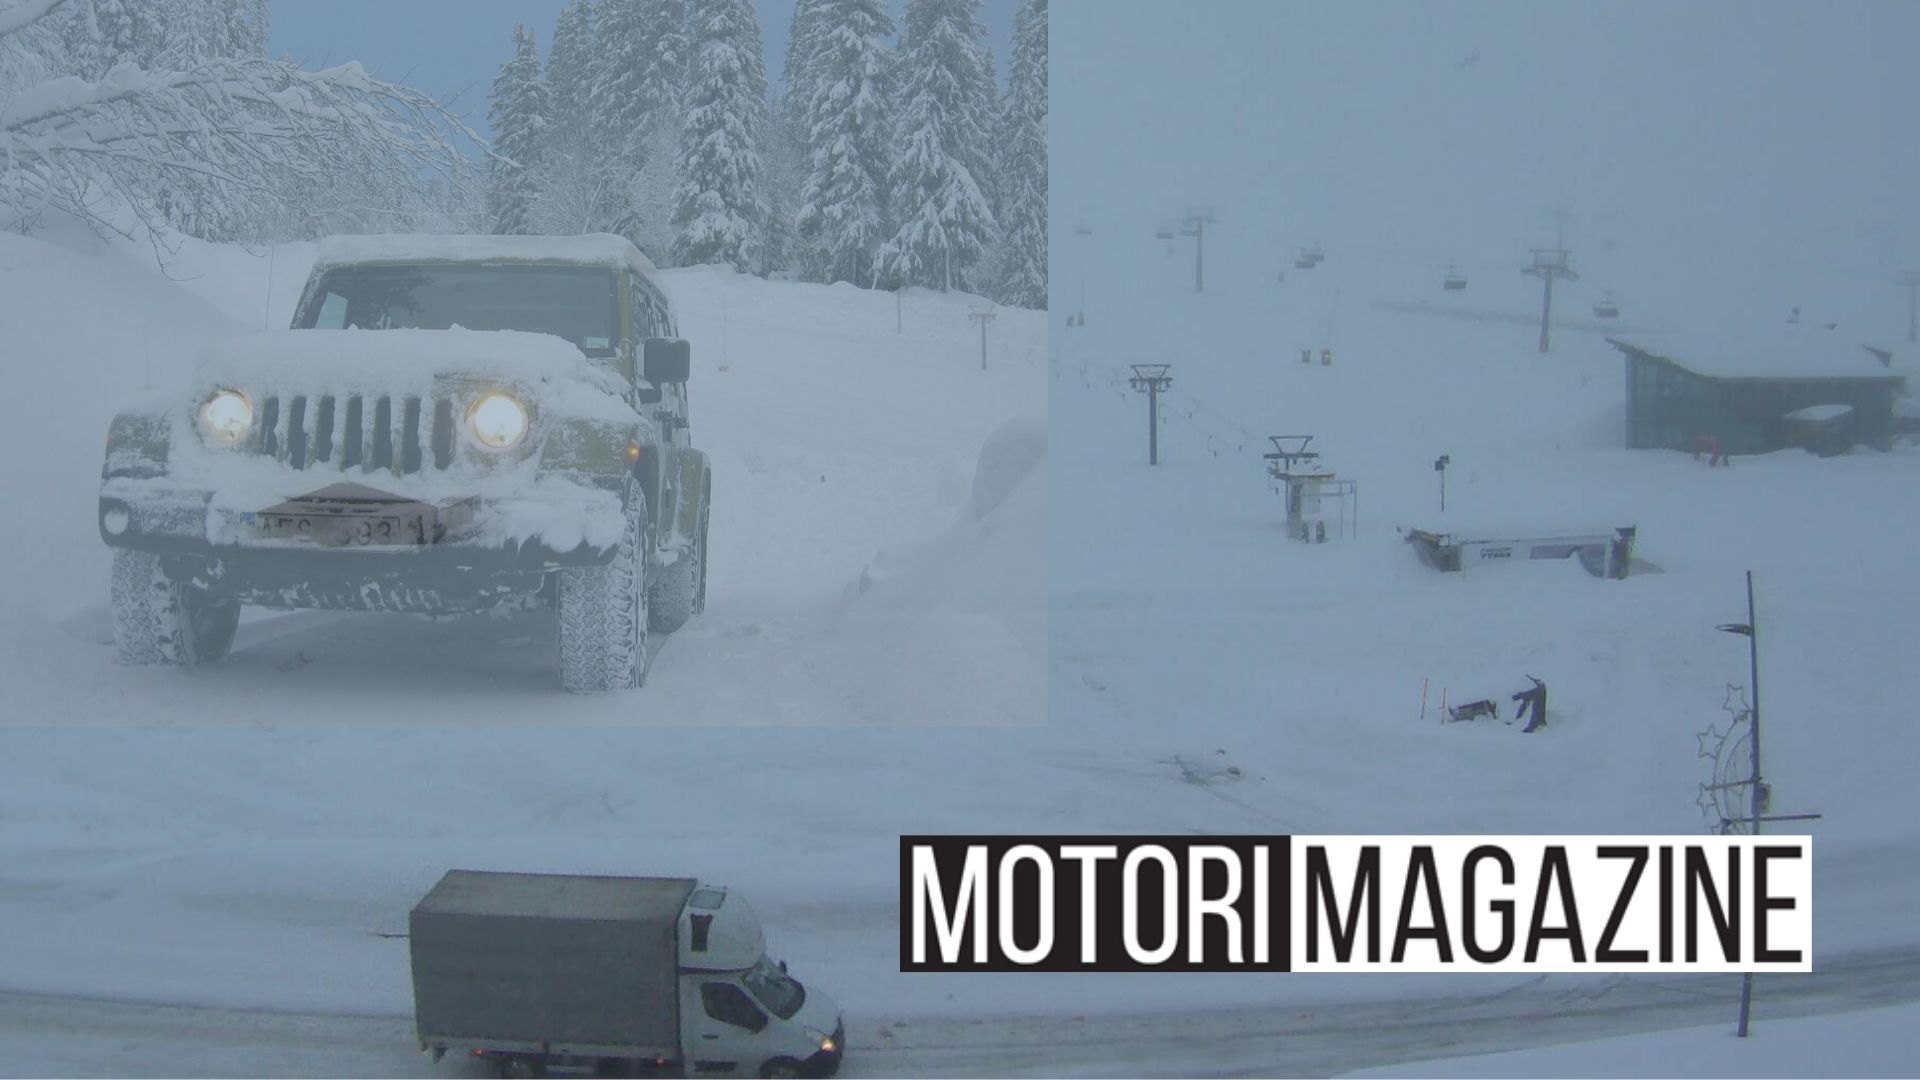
(453, 424)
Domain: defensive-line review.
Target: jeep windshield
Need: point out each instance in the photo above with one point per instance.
(578, 303)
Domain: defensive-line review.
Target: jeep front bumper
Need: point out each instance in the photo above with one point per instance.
(488, 550)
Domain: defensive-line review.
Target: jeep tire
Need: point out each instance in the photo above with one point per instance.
(680, 592)
(159, 621)
(603, 614)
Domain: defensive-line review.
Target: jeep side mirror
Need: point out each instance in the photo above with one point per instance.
(666, 360)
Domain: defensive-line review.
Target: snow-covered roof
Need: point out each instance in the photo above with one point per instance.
(1791, 353)
(591, 249)
(1820, 413)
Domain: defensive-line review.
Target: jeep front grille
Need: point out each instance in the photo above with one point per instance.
(371, 434)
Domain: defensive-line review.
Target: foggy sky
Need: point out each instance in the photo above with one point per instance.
(1711, 154)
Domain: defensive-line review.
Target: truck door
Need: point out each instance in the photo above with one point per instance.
(726, 1034)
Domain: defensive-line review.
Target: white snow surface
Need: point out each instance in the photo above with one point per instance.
(1869, 1042)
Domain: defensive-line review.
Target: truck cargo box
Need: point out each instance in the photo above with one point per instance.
(549, 959)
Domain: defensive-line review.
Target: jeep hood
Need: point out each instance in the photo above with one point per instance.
(412, 362)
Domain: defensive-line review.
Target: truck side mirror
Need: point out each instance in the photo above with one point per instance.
(666, 360)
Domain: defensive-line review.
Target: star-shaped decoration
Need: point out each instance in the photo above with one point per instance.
(1735, 703)
(1710, 741)
(1707, 802)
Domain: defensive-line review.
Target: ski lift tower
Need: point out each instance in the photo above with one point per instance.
(1548, 265)
(1150, 379)
(1311, 491)
(1197, 220)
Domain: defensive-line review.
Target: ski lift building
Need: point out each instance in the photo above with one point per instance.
(1682, 392)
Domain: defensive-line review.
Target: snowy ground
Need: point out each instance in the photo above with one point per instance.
(1875, 1042)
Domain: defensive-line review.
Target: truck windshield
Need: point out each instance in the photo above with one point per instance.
(777, 990)
(578, 303)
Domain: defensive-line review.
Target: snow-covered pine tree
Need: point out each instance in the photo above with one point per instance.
(102, 33)
(783, 154)
(842, 215)
(941, 174)
(803, 46)
(719, 208)
(1021, 277)
(577, 188)
(640, 66)
(519, 113)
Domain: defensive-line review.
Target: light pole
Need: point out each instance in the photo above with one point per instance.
(1756, 793)
(983, 316)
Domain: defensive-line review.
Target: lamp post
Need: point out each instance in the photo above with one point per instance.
(1756, 794)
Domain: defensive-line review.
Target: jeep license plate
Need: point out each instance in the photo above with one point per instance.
(409, 526)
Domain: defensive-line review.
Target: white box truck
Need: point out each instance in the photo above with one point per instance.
(535, 972)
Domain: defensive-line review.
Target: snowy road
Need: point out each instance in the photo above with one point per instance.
(90, 1037)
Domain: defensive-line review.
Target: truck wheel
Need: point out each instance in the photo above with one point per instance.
(680, 593)
(157, 621)
(603, 614)
(784, 1067)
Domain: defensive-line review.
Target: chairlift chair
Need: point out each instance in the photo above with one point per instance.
(1307, 260)
(1454, 281)
(1606, 308)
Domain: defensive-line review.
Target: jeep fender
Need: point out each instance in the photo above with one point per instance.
(680, 502)
(137, 445)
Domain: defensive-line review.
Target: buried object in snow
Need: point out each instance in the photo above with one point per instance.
(1603, 554)
(453, 424)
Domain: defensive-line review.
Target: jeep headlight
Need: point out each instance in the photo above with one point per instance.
(498, 420)
(827, 1045)
(226, 417)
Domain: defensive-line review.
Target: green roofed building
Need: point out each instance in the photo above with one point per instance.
(1760, 397)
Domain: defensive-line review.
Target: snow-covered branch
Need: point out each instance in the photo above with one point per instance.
(24, 14)
(233, 138)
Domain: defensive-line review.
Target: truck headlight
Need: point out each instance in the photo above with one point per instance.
(498, 420)
(226, 416)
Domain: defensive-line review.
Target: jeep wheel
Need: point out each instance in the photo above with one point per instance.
(158, 621)
(603, 615)
(681, 591)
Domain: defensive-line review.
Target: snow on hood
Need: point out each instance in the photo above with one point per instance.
(410, 362)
